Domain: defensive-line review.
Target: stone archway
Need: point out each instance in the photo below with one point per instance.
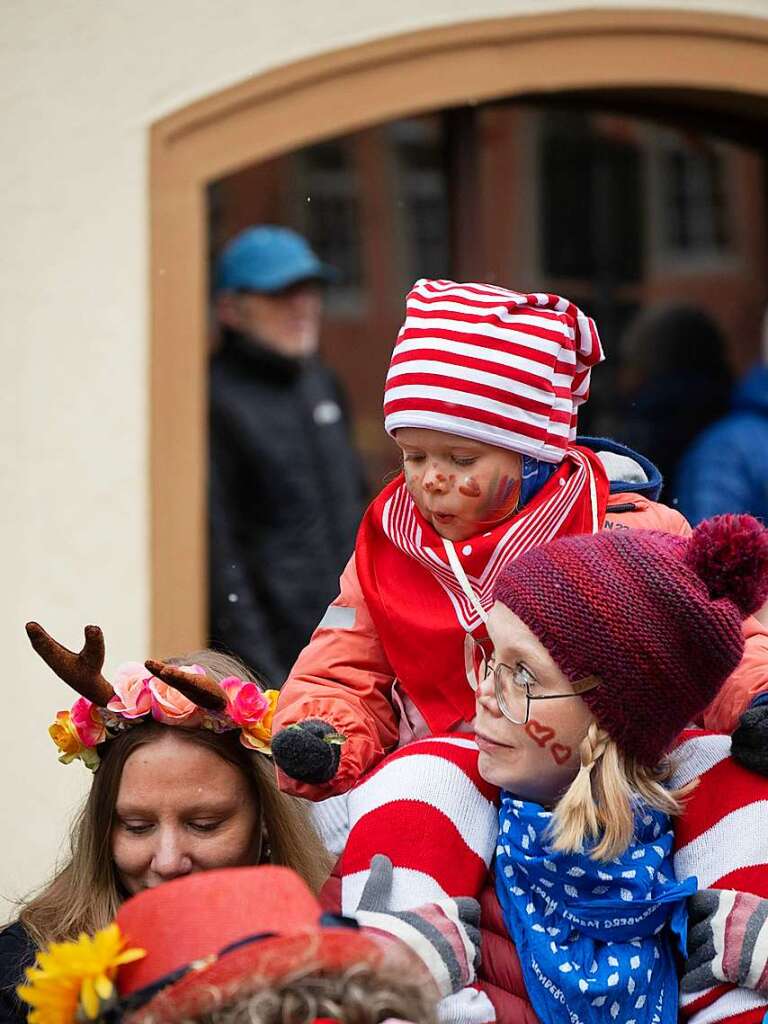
(694, 53)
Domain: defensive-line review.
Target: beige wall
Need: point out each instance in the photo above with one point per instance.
(81, 83)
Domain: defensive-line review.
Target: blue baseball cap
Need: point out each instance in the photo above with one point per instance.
(269, 259)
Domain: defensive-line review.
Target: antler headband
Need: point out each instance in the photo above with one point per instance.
(183, 696)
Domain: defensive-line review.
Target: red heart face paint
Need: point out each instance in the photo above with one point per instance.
(538, 760)
(543, 735)
(560, 753)
(539, 733)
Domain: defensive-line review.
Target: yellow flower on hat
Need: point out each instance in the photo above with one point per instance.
(72, 976)
(259, 735)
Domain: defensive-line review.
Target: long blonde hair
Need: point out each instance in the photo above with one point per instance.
(601, 801)
(85, 894)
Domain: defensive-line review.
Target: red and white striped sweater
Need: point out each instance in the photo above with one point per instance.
(722, 839)
(427, 809)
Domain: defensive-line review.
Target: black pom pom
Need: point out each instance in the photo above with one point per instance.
(302, 752)
(730, 555)
(749, 744)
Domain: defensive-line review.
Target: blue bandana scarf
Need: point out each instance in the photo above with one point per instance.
(592, 937)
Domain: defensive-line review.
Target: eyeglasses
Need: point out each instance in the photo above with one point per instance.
(512, 685)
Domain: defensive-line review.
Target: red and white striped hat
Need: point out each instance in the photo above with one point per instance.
(493, 365)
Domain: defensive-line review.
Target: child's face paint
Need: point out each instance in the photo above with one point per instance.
(470, 488)
(539, 760)
(461, 487)
(502, 497)
(546, 737)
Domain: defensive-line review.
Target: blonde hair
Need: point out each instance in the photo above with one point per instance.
(600, 803)
(85, 894)
(360, 995)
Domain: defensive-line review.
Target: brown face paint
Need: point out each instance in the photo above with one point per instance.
(470, 488)
(440, 479)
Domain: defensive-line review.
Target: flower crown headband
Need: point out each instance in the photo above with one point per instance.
(184, 696)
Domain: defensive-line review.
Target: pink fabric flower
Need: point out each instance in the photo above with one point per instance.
(247, 703)
(87, 722)
(131, 685)
(172, 707)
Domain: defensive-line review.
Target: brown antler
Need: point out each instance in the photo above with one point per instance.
(81, 671)
(202, 690)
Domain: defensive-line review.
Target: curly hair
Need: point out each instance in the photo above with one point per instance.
(361, 995)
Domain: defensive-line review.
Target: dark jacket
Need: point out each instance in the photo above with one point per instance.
(668, 414)
(17, 951)
(726, 468)
(286, 495)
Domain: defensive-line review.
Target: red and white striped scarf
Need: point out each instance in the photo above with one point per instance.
(424, 594)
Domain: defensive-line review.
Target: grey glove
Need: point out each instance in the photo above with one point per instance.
(445, 934)
(724, 941)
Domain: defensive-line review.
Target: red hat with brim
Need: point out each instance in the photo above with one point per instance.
(218, 936)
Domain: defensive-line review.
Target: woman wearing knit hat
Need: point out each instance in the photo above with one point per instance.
(481, 398)
(600, 650)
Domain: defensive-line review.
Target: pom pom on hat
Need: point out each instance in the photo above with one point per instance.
(730, 555)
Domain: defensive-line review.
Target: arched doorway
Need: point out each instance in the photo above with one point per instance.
(700, 62)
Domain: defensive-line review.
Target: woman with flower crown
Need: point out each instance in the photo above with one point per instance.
(180, 785)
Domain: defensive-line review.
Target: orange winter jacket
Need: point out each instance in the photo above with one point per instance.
(343, 675)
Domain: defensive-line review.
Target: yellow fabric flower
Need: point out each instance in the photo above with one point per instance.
(259, 736)
(66, 737)
(72, 975)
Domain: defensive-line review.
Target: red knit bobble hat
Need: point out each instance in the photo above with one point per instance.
(657, 618)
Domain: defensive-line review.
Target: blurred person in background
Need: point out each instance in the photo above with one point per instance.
(726, 468)
(674, 381)
(286, 485)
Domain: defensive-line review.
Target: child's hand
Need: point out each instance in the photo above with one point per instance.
(724, 940)
(749, 744)
(308, 751)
